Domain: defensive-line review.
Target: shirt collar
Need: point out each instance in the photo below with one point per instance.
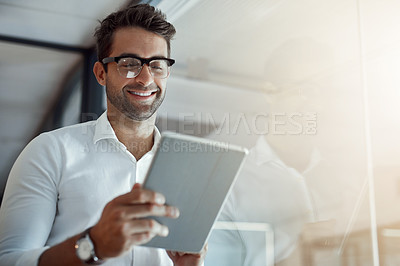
(157, 138)
(262, 152)
(104, 130)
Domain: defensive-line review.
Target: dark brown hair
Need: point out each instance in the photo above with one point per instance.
(143, 16)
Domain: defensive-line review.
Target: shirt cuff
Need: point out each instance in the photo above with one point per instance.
(23, 258)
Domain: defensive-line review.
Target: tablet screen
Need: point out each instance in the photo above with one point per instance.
(195, 175)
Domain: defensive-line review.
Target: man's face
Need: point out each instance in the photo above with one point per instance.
(130, 96)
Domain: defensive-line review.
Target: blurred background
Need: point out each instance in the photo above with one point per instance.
(311, 87)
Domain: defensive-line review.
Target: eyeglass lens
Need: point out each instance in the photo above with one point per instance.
(131, 67)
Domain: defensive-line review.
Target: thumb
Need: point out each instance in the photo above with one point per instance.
(137, 186)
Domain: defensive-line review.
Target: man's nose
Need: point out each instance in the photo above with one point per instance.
(145, 78)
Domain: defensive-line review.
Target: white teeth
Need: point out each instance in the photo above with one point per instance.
(141, 93)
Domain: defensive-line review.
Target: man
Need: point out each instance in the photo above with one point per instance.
(268, 192)
(73, 196)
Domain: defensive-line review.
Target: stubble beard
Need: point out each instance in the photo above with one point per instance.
(134, 110)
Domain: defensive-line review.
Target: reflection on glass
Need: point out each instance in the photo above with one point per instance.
(312, 63)
(228, 244)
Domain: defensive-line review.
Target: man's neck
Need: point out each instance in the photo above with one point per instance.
(137, 136)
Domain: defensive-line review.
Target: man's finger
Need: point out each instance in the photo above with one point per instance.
(139, 195)
(141, 238)
(145, 210)
(150, 226)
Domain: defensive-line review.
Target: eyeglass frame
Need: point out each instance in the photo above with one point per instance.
(143, 61)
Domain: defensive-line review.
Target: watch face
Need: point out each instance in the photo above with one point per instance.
(84, 250)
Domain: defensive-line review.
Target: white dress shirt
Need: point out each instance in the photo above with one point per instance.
(59, 186)
(266, 191)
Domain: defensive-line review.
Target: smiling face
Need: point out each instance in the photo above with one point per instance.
(136, 98)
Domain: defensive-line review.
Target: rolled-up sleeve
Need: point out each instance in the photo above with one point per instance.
(30, 203)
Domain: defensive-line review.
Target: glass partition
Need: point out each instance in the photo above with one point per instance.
(238, 243)
(319, 114)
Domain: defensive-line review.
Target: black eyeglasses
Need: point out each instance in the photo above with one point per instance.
(130, 67)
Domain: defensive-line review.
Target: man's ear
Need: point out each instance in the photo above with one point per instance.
(100, 73)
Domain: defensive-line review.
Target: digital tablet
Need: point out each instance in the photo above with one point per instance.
(195, 175)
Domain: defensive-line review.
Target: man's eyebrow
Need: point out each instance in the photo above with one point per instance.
(128, 55)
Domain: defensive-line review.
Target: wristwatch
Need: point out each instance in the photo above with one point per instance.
(84, 249)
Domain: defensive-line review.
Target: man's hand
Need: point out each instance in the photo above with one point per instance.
(188, 259)
(123, 222)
